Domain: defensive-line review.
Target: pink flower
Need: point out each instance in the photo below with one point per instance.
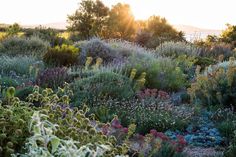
(125, 130)
(115, 123)
(105, 129)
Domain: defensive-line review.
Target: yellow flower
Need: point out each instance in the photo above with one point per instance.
(98, 62)
(133, 73)
(88, 62)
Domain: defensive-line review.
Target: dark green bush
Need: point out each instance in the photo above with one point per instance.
(231, 150)
(227, 128)
(6, 82)
(24, 92)
(105, 84)
(64, 55)
(204, 61)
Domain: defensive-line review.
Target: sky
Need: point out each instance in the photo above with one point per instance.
(211, 14)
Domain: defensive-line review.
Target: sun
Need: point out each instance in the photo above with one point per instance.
(140, 11)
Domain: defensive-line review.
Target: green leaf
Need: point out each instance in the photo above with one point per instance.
(55, 141)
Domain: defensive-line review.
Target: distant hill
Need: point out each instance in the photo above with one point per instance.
(56, 25)
(192, 32)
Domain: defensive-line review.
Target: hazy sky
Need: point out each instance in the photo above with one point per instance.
(212, 14)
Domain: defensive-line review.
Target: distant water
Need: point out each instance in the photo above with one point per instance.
(199, 35)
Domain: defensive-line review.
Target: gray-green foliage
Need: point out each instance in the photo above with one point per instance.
(162, 73)
(173, 49)
(14, 46)
(18, 64)
(115, 51)
(96, 48)
(104, 84)
(44, 142)
(129, 49)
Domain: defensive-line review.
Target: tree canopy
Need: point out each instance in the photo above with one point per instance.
(121, 22)
(89, 19)
(229, 35)
(155, 31)
(93, 18)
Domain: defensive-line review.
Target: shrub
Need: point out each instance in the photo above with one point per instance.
(174, 49)
(204, 61)
(47, 34)
(131, 50)
(57, 129)
(14, 120)
(19, 64)
(64, 55)
(167, 150)
(225, 122)
(217, 49)
(52, 77)
(231, 150)
(74, 36)
(106, 84)
(113, 51)
(15, 46)
(96, 48)
(142, 38)
(146, 113)
(227, 128)
(44, 131)
(23, 93)
(216, 86)
(186, 64)
(162, 73)
(6, 82)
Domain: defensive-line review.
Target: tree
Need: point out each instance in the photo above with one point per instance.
(159, 27)
(121, 23)
(13, 29)
(89, 19)
(156, 31)
(229, 35)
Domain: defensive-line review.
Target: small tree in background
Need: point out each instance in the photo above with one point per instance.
(121, 23)
(156, 31)
(229, 35)
(89, 19)
(13, 29)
